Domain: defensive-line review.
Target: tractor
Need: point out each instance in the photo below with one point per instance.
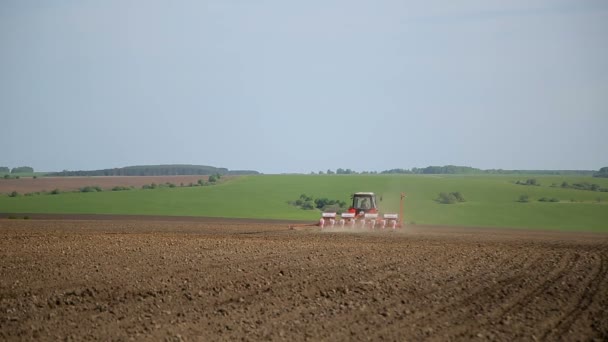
(363, 212)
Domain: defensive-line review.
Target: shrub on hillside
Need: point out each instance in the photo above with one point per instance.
(584, 186)
(524, 199)
(546, 199)
(120, 188)
(333, 208)
(530, 181)
(90, 189)
(13, 194)
(450, 198)
(309, 203)
(215, 177)
(322, 203)
(55, 192)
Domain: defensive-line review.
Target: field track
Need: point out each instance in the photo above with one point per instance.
(213, 279)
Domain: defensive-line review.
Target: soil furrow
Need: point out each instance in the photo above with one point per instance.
(173, 280)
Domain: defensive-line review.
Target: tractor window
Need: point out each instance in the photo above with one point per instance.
(363, 203)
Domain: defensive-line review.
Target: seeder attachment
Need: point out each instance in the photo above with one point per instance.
(327, 219)
(364, 213)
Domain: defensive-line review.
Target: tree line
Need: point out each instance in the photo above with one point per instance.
(156, 170)
(20, 169)
(459, 170)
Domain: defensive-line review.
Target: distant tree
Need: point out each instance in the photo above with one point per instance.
(212, 179)
(330, 172)
(603, 172)
(13, 194)
(22, 169)
(524, 199)
(200, 182)
(4, 169)
(55, 192)
(532, 181)
(7, 176)
(396, 171)
(342, 171)
(449, 169)
(321, 172)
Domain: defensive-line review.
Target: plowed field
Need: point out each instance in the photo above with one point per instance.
(172, 280)
(28, 184)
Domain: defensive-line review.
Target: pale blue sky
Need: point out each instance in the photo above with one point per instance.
(286, 86)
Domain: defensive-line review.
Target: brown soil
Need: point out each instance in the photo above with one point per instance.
(188, 280)
(26, 185)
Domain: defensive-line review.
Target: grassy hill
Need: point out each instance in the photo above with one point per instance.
(491, 200)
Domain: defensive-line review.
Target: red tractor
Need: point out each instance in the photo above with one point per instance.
(363, 212)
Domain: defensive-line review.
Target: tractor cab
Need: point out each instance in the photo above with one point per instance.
(363, 203)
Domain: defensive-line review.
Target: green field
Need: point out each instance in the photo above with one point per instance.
(491, 200)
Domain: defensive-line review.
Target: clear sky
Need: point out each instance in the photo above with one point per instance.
(300, 86)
